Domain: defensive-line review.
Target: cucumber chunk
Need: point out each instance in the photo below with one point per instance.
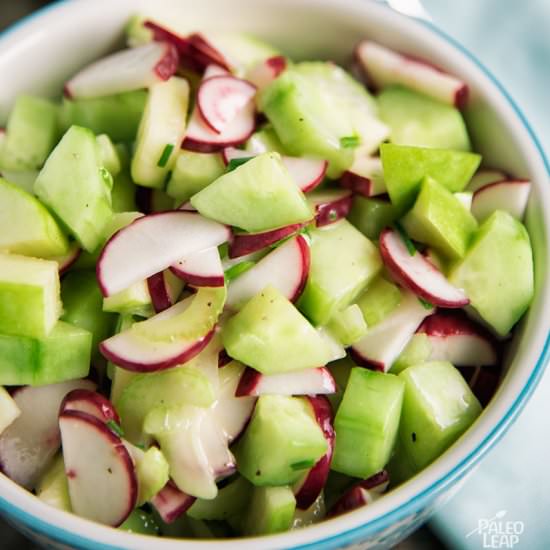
(27, 226)
(141, 523)
(123, 194)
(417, 351)
(379, 300)
(152, 472)
(282, 440)
(109, 155)
(271, 511)
(371, 215)
(367, 422)
(270, 335)
(52, 488)
(348, 325)
(29, 296)
(257, 196)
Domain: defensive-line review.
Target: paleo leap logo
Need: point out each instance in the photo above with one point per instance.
(496, 533)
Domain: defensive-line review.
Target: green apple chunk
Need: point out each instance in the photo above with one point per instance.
(271, 335)
(371, 215)
(282, 441)
(497, 272)
(405, 168)
(415, 119)
(31, 133)
(118, 116)
(27, 226)
(366, 423)
(379, 300)
(83, 306)
(193, 172)
(257, 196)
(271, 511)
(29, 296)
(440, 220)
(74, 184)
(438, 408)
(53, 488)
(343, 262)
(62, 355)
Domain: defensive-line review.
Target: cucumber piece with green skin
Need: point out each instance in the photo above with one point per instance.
(109, 155)
(406, 167)
(192, 172)
(31, 133)
(343, 262)
(415, 119)
(141, 523)
(379, 300)
(29, 296)
(400, 468)
(118, 116)
(341, 371)
(52, 488)
(348, 325)
(135, 300)
(62, 355)
(27, 226)
(160, 132)
(9, 410)
(281, 442)
(74, 184)
(83, 306)
(120, 377)
(497, 272)
(264, 140)
(269, 328)
(371, 215)
(271, 511)
(23, 180)
(418, 351)
(123, 194)
(440, 220)
(257, 196)
(438, 408)
(367, 422)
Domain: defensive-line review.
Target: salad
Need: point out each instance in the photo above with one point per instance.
(240, 293)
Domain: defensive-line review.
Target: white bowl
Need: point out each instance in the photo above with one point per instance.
(38, 54)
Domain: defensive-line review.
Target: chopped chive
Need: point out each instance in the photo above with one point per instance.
(303, 465)
(115, 428)
(238, 269)
(235, 163)
(425, 303)
(168, 148)
(140, 446)
(350, 142)
(406, 239)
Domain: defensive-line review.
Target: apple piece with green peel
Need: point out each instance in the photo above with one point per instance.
(379, 299)
(367, 422)
(236, 198)
(29, 296)
(52, 488)
(438, 408)
(27, 226)
(371, 215)
(74, 184)
(281, 442)
(268, 328)
(438, 219)
(497, 272)
(343, 262)
(271, 511)
(405, 168)
(416, 119)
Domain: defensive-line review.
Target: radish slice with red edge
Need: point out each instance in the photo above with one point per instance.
(203, 268)
(90, 402)
(205, 53)
(385, 67)
(417, 273)
(171, 503)
(125, 71)
(266, 71)
(365, 177)
(330, 206)
(214, 70)
(485, 176)
(164, 288)
(510, 196)
(67, 261)
(221, 98)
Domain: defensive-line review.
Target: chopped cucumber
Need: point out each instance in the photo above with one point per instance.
(416, 352)
(348, 325)
(271, 511)
(108, 154)
(141, 523)
(52, 488)
(371, 215)
(379, 300)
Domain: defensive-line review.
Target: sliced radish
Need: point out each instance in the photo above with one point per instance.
(311, 486)
(224, 359)
(385, 67)
(90, 402)
(100, 472)
(205, 53)
(377, 483)
(214, 70)
(203, 268)
(365, 177)
(304, 382)
(221, 98)
(308, 173)
(171, 503)
(484, 176)
(29, 443)
(383, 343)
(286, 268)
(242, 244)
(266, 71)
(65, 262)
(164, 288)
(330, 206)
(151, 244)
(510, 196)
(417, 273)
(124, 71)
(454, 337)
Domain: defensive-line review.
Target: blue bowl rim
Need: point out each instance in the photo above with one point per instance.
(438, 486)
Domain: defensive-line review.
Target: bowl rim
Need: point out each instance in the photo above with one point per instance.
(434, 487)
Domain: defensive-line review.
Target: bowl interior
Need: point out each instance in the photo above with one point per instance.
(40, 54)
